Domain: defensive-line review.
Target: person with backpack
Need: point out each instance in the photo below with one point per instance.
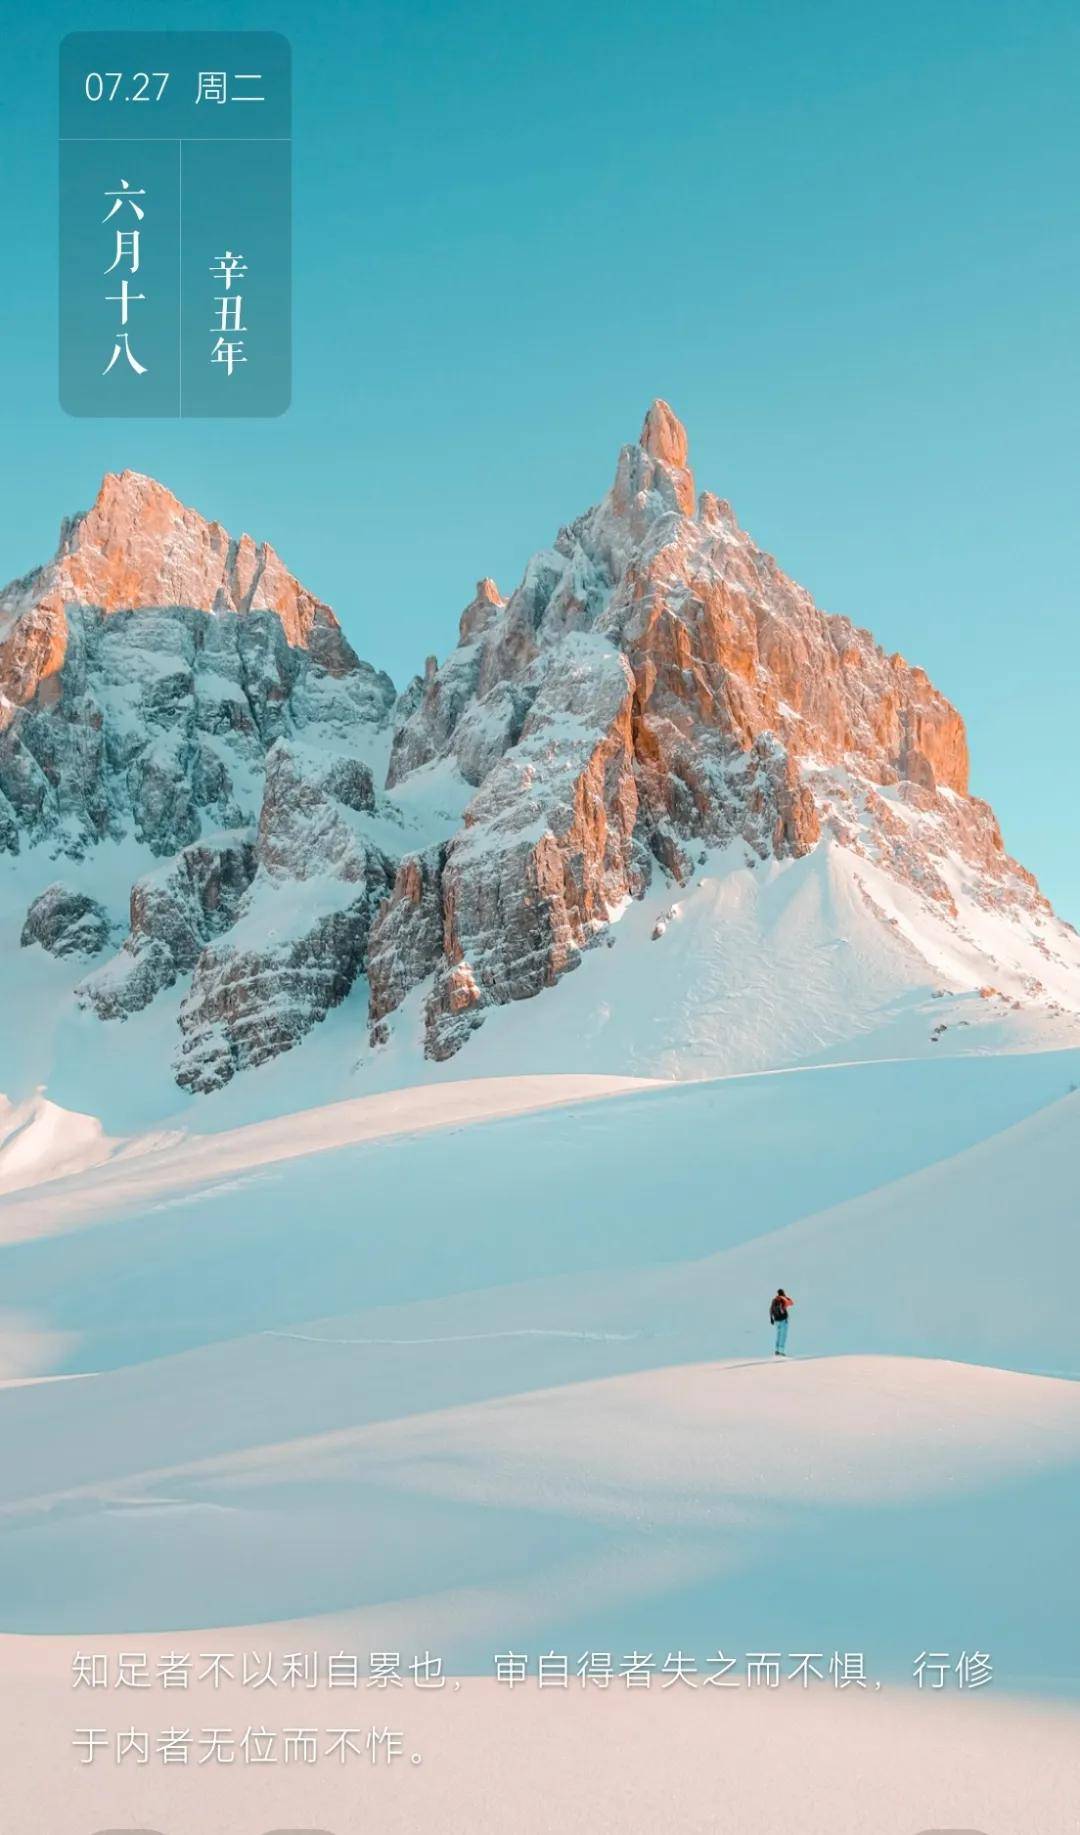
(778, 1316)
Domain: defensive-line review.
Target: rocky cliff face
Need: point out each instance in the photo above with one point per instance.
(655, 688)
(302, 930)
(165, 685)
(138, 548)
(147, 669)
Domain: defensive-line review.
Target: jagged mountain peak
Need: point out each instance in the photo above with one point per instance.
(720, 637)
(486, 602)
(133, 488)
(656, 709)
(139, 548)
(726, 708)
(663, 435)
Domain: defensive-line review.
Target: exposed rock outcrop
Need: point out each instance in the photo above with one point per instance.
(157, 724)
(443, 696)
(301, 936)
(261, 988)
(547, 851)
(66, 923)
(406, 941)
(175, 912)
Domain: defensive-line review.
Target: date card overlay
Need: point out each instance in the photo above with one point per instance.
(175, 223)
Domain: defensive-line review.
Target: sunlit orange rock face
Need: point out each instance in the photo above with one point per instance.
(140, 547)
(746, 653)
(656, 683)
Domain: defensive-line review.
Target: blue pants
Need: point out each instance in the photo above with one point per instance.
(781, 1334)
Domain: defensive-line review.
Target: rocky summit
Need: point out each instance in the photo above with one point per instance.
(655, 700)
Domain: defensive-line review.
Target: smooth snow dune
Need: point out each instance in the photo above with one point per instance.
(831, 1501)
(576, 1189)
(142, 1173)
(462, 1466)
(974, 1257)
(39, 1140)
(615, 1761)
(675, 1441)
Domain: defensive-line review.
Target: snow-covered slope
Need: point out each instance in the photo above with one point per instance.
(38, 1140)
(451, 1370)
(585, 1760)
(274, 1325)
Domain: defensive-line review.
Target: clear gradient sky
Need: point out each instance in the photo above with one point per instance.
(839, 237)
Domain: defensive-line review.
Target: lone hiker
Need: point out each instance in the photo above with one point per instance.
(778, 1313)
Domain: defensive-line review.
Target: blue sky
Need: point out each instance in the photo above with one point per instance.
(839, 238)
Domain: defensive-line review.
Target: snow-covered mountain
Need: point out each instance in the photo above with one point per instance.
(461, 1288)
(210, 807)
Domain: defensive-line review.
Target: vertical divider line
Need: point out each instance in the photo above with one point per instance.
(180, 279)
